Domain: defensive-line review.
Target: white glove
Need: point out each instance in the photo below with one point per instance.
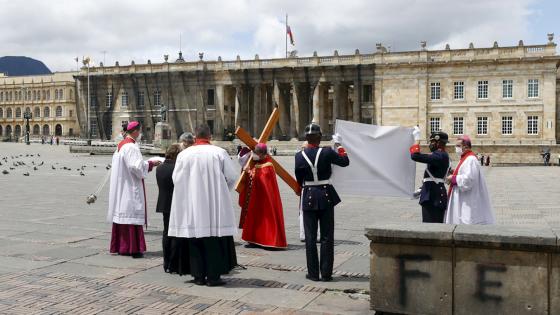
(336, 138)
(416, 133)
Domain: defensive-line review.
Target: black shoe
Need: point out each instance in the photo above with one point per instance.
(137, 255)
(312, 278)
(198, 281)
(215, 283)
(326, 279)
(251, 245)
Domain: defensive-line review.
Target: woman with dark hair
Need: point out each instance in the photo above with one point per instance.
(172, 261)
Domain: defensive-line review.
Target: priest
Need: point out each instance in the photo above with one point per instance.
(469, 200)
(201, 209)
(262, 218)
(127, 195)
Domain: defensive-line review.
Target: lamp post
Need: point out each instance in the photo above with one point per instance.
(86, 63)
(27, 116)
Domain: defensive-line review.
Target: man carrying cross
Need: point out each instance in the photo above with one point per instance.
(263, 223)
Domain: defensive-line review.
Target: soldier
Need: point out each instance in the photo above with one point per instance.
(433, 196)
(318, 198)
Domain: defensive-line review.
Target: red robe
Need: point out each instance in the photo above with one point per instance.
(263, 223)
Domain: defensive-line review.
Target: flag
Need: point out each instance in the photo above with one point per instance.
(289, 32)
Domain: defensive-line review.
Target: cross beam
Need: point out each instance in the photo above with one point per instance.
(246, 138)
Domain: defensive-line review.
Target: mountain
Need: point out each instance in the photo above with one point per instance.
(20, 65)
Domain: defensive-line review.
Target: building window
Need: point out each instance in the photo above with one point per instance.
(109, 99)
(435, 91)
(93, 127)
(459, 90)
(124, 99)
(482, 126)
(1, 113)
(507, 88)
(37, 113)
(61, 94)
(70, 113)
(1, 96)
(9, 113)
(458, 125)
(36, 130)
(28, 110)
(47, 112)
(46, 130)
(211, 97)
(533, 125)
(435, 124)
(48, 95)
(141, 99)
(55, 94)
(483, 89)
(28, 95)
(18, 112)
(58, 111)
(366, 93)
(507, 125)
(533, 88)
(44, 95)
(157, 98)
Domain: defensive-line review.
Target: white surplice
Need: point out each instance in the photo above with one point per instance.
(202, 205)
(469, 202)
(126, 192)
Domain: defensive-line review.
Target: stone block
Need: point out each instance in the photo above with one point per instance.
(505, 237)
(411, 279)
(555, 284)
(492, 281)
(411, 233)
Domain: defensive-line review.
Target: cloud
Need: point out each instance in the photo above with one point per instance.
(59, 30)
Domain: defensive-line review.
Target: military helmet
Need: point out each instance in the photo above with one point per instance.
(313, 129)
(439, 136)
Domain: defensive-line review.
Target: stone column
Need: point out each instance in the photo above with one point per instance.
(294, 112)
(219, 116)
(337, 101)
(238, 105)
(316, 103)
(256, 111)
(357, 100)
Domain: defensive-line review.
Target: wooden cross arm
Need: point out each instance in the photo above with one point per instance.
(288, 179)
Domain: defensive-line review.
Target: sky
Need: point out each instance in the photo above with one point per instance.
(58, 31)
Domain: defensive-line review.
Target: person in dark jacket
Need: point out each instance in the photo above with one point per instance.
(433, 196)
(313, 168)
(171, 258)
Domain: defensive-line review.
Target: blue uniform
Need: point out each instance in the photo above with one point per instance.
(318, 199)
(433, 196)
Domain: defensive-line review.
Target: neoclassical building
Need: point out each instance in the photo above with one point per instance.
(51, 100)
(500, 96)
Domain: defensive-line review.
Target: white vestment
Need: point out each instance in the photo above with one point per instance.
(201, 205)
(126, 192)
(469, 202)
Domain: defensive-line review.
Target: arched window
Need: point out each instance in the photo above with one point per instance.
(46, 130)
(28, 95)
(1, 113)
(58, 111)
(61, 94)
(36, 130)
(1, 96)
(18, 112)
(47, 112)
(44, 95)
(34, 95)
(71, 94)
(28, 110)
(9, 113)
(58, 130)
(1, 131)
(18, 131)
(37, 112)
(55, 94)
(48, 94)
(8, 130)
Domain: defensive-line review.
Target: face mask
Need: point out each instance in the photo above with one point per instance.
(256, 157)
(433, 147)
(459, 151)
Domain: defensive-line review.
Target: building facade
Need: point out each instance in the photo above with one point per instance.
(51, 100)
(500, 96)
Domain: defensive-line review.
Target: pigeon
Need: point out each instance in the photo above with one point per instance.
(52, 166)
(108, 166)
(26, 174)
(35, 168)
(38, 154)
(0, 163)
(12, 168)
(5, 172)
(42, 162)
(33, 162)
(82, 174)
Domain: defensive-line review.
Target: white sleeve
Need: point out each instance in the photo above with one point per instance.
(468, 174)
(177, 170)
(229, 170)
(134, 162)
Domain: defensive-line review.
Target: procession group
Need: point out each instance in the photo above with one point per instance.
(196, 177)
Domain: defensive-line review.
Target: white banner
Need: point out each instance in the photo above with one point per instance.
(380, 163)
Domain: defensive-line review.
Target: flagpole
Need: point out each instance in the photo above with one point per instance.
(286, 33)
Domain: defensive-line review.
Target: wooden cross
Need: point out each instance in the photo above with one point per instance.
(246, 138)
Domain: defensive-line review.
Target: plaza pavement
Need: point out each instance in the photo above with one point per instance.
(54, 247)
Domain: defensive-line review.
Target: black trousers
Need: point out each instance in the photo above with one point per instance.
(166, 243)
(211, 257)
(431, 214)
(311, 221)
